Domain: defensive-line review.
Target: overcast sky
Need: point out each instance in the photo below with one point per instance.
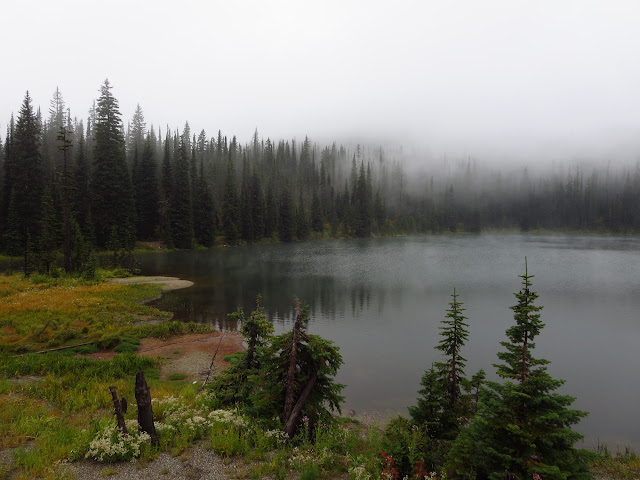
(479, 77)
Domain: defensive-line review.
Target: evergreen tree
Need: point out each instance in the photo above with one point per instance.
(81, 192)
(297, 377)
(432, 403)
(147, 195)
(286, 218)
(271, 213)
(112, 193)
(241, 381)
(361, 206)
(256, 204)
(66, 186)
(166, 191)
(454, 333)
(26, 183)
(230, 208)
(302, 225)
(316, 213)
(246, 217)
(522, 427)
(205, 216)
(12, 238)
(181, 210)
(379, 212)
(47, 241)
(137, 132)
(7, 191)
(441, 404)
(450, 219)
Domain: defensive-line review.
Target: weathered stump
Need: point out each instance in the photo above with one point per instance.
(145, 411)
(117, 407)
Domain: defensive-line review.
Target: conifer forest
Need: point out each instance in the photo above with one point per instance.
(77, 185)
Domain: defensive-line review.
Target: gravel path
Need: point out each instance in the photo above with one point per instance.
(194, 463)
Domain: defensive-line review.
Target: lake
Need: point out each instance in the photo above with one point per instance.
(381, 300)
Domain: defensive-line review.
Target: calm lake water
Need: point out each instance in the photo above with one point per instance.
(382, 300)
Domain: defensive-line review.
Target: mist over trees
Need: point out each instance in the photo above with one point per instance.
(71, 185)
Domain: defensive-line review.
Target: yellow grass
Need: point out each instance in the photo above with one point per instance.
(46, 315)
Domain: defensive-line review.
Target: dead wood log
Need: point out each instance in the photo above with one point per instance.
(56, 349)
(213, 361)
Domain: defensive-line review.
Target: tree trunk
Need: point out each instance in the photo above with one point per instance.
(291, 421)
(117, 407)
(293, 360)
(145, 411)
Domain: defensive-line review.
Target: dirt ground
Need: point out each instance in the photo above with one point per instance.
(193, 354)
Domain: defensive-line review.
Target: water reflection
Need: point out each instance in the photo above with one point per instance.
(382, 300)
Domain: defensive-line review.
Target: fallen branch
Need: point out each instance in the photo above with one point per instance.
(43, 328)
(212, 362)
(56, 349)
(290, 427)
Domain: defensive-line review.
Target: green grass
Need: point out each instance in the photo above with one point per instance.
(622, 465)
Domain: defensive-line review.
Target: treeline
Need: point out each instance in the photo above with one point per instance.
(72, 186)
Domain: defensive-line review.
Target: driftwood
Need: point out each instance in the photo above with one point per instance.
(117, 407)
(304, 396)
(56, 349)
(212, 362)
(145, 411)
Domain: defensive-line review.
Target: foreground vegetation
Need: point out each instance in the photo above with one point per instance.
(56, 406)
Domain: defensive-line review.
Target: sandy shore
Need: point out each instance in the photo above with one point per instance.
(168, 283)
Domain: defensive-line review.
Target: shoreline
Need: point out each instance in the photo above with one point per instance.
(189, 353)
(168, 283)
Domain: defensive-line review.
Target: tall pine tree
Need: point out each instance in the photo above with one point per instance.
(113, 208)
(181, 210)
(26, 185)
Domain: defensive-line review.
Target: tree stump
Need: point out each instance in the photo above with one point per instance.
(117, 407)
(145, 411)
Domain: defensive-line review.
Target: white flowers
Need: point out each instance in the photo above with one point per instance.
(359, 473)
(172, 418)
(278, 435)
(111, 446)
